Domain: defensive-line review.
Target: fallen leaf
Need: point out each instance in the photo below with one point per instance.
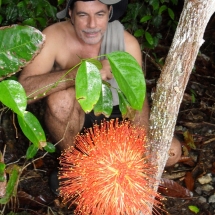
(173, 189)
(189, 181)
(175, 175)
(188, 138)
(187, 160)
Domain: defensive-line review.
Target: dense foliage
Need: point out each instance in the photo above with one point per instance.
(38, 13)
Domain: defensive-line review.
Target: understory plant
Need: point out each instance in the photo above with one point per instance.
(24, 44)
(38, 13)
(145, 20)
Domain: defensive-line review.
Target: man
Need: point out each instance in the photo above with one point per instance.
(86, 34)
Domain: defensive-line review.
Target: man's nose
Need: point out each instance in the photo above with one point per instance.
(92, 22)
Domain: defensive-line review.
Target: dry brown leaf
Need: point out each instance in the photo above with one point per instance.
(173, 189)
(189, 181)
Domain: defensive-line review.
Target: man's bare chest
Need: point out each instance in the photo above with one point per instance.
(69, 58)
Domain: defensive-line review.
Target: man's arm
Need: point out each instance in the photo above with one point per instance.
(40, 86)
(37, 77)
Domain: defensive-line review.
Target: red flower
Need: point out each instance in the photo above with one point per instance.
(108, 171)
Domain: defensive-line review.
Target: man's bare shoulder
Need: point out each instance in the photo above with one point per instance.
(130, 39)
(58, 29)
(132, 46)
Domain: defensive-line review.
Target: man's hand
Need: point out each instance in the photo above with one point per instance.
(106, 70)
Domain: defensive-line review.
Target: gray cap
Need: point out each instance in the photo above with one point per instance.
(119, 8)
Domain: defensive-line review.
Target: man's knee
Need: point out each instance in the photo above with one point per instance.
(174, 152)
(64, 117)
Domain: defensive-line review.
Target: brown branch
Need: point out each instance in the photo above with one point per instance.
(175, 75)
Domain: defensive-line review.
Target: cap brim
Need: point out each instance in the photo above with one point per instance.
(119, 8)
(109, 2)
(62, 14)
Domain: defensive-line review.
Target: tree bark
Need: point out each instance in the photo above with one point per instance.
(175, 75)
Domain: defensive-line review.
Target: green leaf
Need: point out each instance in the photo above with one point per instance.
(175, 2)
(123, 103)
(13, 96)
(155, 43)
(105, 102)
(129, 76)
(171, 13)
(50, 147)
(2, 171)
(11, 185)
(161, 9)
(50, 10)
(42, 21)
(97, 63)
(11, 12)
(88, 85)
(31, 151)
(155, 4)
(60, 2)
(193, 208)
(22, 10)
(139, 33)
(30, 21)
(32, 129)
(145, 19)
(39, 10)
(1, 18)
(149, 38)
(156, 21)
(16, 52)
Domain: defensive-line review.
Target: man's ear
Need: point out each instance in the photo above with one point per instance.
(71, 17)
(70, 13)
(110, 12)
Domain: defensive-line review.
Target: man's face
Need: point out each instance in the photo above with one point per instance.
(90, 20)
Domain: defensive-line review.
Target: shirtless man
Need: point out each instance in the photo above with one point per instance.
(80, 36)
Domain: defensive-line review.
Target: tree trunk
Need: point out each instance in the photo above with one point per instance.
(175, 75)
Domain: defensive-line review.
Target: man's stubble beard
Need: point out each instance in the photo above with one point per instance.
(92, 41)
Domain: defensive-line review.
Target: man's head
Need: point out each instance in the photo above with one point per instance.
(90, 20)
(118, 8)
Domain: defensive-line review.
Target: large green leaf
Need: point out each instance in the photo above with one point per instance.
(18, 45)
(88, 85)
(13, 95)
(105, 102)
(129, 76)
(32, 129)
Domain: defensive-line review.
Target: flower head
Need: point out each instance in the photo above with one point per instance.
(108, 172)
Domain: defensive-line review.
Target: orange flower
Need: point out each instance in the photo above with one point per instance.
(108, 171)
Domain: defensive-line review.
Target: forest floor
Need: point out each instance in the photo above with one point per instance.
(194, 173)
(196, 130)
(190, 183)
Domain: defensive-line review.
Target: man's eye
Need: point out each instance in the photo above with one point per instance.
(100, 14)
(82, 14)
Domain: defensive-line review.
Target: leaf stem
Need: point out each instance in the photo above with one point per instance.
(55, 84)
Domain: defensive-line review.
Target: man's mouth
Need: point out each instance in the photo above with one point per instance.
(91, 33)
